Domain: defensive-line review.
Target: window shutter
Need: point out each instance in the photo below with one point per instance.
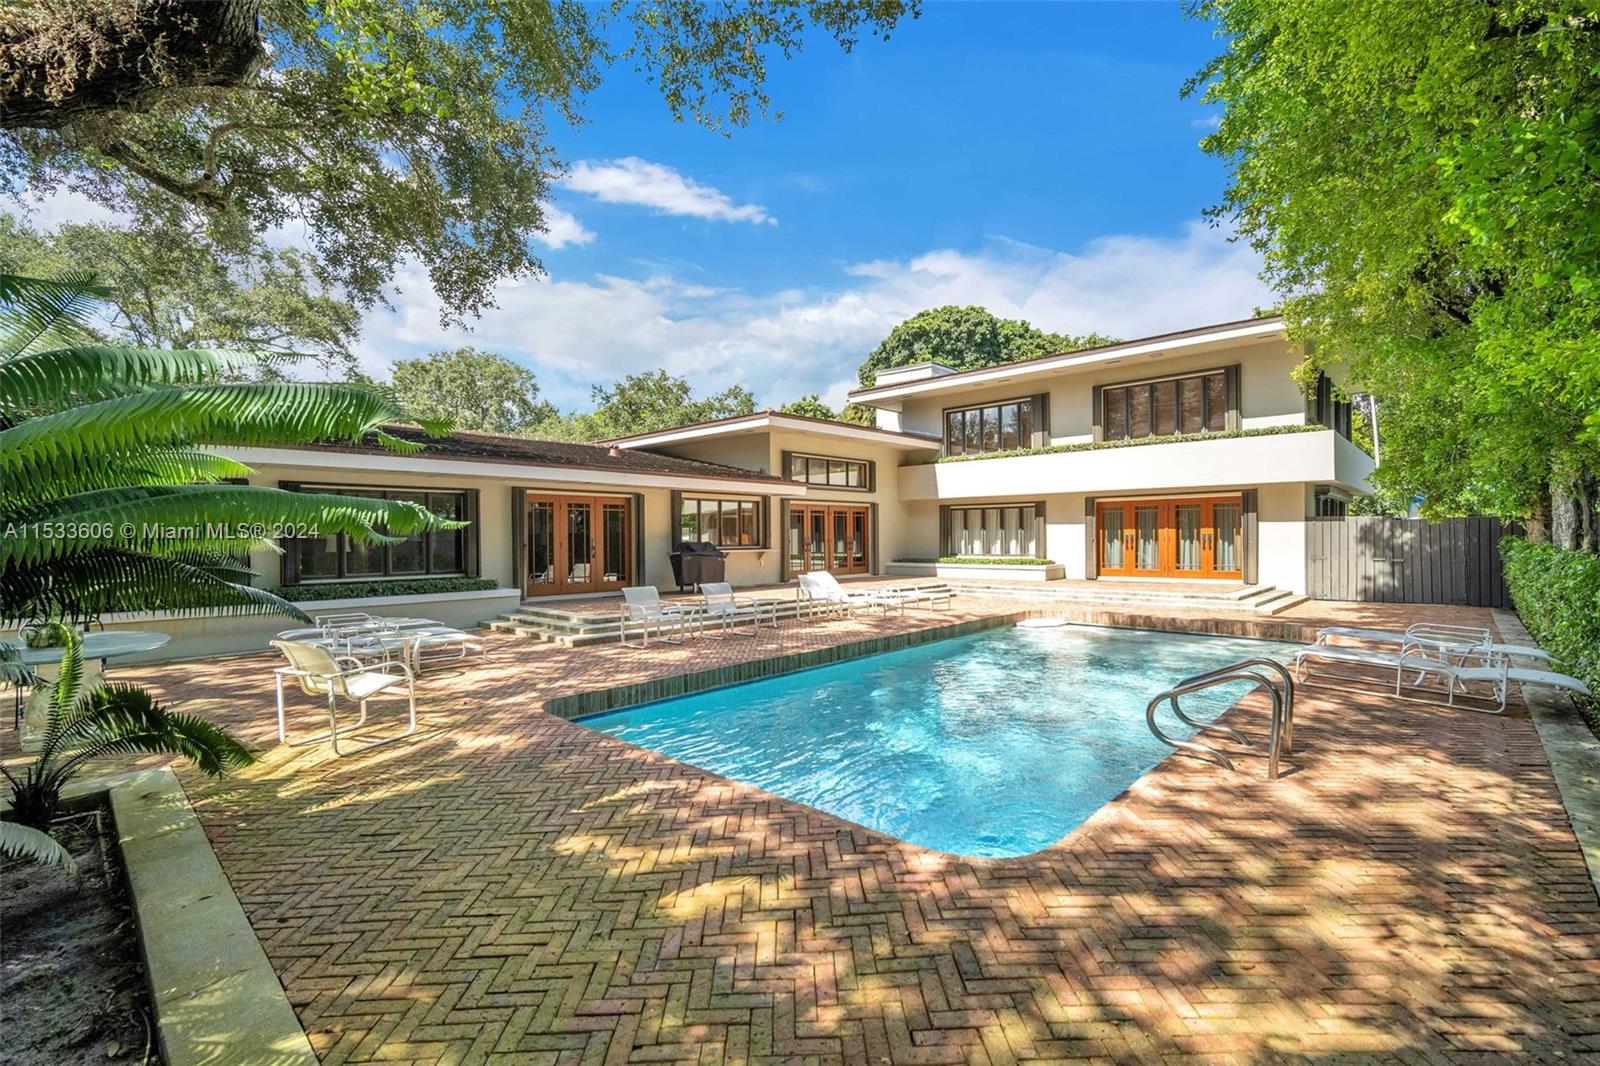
(638, 538)
(944, 530)
(1041, 420)
(469, 547)
(519, 541)
(1250, 527)
(783, 555)
(1096, 412)
(1091, 541)
(1230, 382)
(677, 519)
(872, 477)
(874, 563)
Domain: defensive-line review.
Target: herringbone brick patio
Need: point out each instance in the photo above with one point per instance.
(515, 888)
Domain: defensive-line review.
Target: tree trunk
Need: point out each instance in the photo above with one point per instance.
(1567, 506)
(66, 60)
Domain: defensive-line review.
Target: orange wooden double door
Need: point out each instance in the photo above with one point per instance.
(1183, 538)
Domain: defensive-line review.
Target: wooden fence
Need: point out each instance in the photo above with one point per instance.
(1406, 560)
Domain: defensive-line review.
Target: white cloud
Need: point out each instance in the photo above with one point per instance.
(783, 345)
(562, 228)
(1207, 122)
(59, 206)
(632, 180)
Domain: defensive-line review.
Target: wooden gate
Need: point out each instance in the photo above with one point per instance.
(1406, 560)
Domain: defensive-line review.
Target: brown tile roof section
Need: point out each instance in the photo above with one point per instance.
(502, 448)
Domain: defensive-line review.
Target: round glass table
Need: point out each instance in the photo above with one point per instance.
(31, 714)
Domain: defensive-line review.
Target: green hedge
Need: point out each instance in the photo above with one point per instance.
(355, 590)
(970, 560)
(1099, 445)
(1557, 595)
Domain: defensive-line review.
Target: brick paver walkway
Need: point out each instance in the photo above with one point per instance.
(516, 888)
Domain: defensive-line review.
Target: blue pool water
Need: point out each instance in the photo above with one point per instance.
(995, 744)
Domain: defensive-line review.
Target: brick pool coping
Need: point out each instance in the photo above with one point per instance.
(514, 888)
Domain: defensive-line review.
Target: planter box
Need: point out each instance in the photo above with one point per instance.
(978, 572)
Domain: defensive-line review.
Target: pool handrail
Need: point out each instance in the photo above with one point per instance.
(1288, 690)
(1244, 670)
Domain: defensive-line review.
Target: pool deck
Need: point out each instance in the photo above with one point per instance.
(511, 887)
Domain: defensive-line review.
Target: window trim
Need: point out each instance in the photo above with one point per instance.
(871, 471)
(1231, 420)
(947, 527)
(1038, 430)
(763, 519)
(289, 561)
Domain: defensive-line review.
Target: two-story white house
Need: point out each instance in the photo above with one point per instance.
(1187, 456)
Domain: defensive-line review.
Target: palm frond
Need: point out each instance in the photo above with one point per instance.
(25, 842)
(37, 311)
(121, 719)
(107, 580)
(85, 373)
(161, 466)
(153, 517)
(258, 414)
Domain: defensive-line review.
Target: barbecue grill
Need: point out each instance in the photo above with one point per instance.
(696, 561)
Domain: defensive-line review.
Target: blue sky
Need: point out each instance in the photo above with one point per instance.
(1032, 158)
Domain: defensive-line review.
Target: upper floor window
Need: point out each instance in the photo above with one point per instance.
(725, 523)
(830, 472)
(336, 556)
(995, 427)
(1328, 409)
(1197, 403)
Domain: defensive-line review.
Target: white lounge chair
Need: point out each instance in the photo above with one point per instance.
(320, 674)
(1431, 659)
(1473, 641)
(821, 591)
(934, 597)
(723, 607)
(642, 604)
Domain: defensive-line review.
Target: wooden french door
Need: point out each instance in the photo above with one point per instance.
(577, 544)
(1200, 537)
(826, 537)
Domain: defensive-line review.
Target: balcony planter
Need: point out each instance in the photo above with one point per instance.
(979, 571)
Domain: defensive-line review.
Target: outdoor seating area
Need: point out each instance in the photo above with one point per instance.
(716, 611)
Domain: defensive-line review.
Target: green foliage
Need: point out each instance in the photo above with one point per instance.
(967, 338)
(1557, 595)
(643, 403)
(25, 842)
(1100, 445)
(109, 498)
(171, 287)
(1424, 182)
(86, 723)
(387, 130)
(470, 389)
(809, 406)
(860, 414)
(355, 590)
(979, 560)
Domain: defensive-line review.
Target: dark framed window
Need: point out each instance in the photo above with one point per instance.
(1164, 407)
(998, 530)
(994, 427)
(828, 471)
(336, 557)
(1330, 505)
(1327, 408)
(727, 523)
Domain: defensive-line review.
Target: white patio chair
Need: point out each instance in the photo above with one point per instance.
(642, 604)
(934, 597)
(723, 607)
(821, 591)
(320, 674)
(1473, 641)
(1429, 658)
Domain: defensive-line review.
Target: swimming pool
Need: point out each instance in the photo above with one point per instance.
(995, 744)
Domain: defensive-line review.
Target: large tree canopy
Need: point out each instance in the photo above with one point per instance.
(640, 403)
(1424, 182)
(171, 288)
(470, 389)
(388, 130)
(967, 338)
